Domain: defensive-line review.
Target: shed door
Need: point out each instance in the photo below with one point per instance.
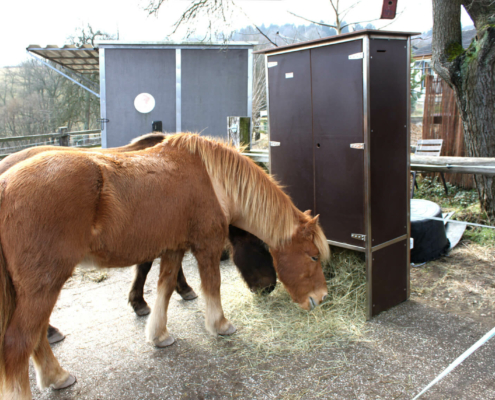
(337, 97)
(289, 82)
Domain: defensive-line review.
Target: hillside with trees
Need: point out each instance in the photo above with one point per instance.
(35, 99)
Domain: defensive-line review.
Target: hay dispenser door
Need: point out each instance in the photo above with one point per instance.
(291, 147)
(338, 141)
(339, 133)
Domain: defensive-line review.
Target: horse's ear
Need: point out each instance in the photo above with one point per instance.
(307, 212)
(314, 221)
(309, 228)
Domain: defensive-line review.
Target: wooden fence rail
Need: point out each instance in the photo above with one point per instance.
(458, 165)
(83, 139)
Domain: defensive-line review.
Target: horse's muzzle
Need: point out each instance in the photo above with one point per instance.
(313, 302)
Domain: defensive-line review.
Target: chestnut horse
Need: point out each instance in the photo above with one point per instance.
(250, 255)
(255, 266)
(59, 209)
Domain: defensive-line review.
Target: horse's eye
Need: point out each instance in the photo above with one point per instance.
(314, 258)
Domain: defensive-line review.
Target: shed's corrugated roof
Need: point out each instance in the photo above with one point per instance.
(176, 45)
(83, 60)
(330, 39)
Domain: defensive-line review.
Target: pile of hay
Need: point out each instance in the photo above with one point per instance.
(274, 325)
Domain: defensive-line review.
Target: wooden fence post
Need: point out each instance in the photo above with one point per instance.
(64, 136)
(239, 131)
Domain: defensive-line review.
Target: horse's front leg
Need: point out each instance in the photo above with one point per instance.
(157, 332)
(209, 270)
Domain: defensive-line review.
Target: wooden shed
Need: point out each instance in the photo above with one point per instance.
(170, 87)
(339, 120)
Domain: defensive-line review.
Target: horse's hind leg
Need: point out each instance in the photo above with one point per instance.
(54, 335)
(182, 287)
(136, 299)
(209, 269)
(170, 265)
(136, 294)
(26, 335)
(48, 370)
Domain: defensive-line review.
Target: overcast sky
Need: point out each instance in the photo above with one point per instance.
(46, 22)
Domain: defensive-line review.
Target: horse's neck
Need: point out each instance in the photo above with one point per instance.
(259, 227)
(242, 223)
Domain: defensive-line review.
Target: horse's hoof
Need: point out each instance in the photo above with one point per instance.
(190, 295)
(54, 335)
(143, 311)
(229, 330)
(165, 343)
(68, 382)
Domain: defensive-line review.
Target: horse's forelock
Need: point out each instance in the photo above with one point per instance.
(321, 243)
(319, 238)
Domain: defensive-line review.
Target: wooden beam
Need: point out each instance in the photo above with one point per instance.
(461, 161)
(455, 165)
(486, 171)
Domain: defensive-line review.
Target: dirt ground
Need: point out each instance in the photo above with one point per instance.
(451, 307)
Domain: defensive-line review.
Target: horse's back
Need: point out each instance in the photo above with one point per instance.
(120, 209)
(152, 201)
(22, 155)
(48, 204)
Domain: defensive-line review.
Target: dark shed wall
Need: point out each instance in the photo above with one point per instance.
(214, 86)
(388, 139)
(130, 72)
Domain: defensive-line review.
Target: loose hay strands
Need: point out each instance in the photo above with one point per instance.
(274, 325)
(92, 274)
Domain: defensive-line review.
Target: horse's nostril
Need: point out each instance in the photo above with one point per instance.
(324, 297)
(312, 303)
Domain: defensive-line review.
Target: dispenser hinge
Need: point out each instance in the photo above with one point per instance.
(358, 236)
(358, 146)
(356, 56)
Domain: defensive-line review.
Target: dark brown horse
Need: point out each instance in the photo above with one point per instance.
(255, 264)
(59, 209)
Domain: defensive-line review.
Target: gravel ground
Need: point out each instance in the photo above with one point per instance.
(402, 351)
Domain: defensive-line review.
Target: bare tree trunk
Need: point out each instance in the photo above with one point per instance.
(471, 74)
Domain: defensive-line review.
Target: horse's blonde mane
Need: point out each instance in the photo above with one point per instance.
(260, 198)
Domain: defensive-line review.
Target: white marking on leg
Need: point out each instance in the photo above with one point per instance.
(215, 321)
(157, 322)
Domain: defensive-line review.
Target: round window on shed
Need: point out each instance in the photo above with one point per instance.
(144, 103)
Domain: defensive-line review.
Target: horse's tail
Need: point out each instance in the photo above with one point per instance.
(7, 304)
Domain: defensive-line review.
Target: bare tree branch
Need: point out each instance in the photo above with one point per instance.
(314, 22)
(258, 29)
(348, 9)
